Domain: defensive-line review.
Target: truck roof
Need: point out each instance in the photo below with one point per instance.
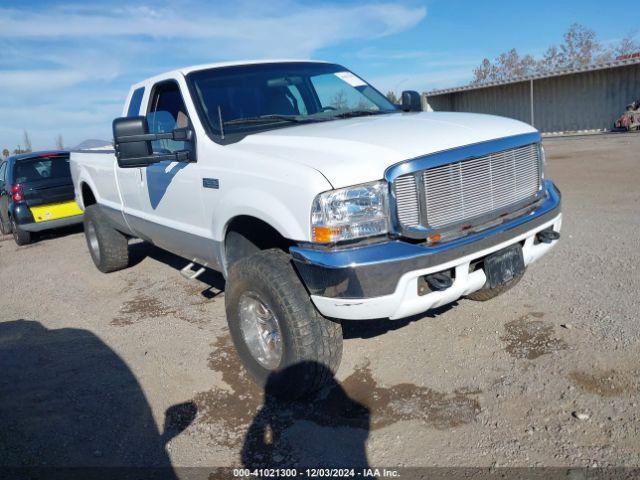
(206, 66)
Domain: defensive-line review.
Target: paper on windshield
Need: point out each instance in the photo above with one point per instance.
(350, 78)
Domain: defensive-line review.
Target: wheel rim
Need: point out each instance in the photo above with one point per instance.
(261, 330)
(92, 241)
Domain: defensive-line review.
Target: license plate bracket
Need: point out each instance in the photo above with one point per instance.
(504, 265)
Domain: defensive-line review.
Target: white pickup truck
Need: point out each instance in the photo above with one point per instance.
(319, 201)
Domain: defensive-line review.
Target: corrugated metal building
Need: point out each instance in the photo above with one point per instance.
(589, 98)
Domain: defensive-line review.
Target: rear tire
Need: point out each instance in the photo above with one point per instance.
(108, 247)
(21, 237)
(485, 294)
(310, 346)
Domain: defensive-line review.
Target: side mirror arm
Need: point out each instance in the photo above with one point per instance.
(182, 156)
(179, 134)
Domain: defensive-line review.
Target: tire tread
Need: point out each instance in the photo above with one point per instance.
(315, 338)
(114, 246)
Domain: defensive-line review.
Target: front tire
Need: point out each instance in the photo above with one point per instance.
(108, 247)
(21, 237)
(275, 327)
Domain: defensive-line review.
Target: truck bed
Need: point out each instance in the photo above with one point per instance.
(96, 169)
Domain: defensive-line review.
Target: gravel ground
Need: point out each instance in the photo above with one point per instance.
(136, 367)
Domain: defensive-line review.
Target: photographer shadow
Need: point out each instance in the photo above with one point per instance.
(67, 400)
(328, 429)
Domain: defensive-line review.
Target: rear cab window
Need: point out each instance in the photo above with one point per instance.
(41, 168)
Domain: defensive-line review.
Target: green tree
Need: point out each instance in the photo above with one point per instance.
(6, 153)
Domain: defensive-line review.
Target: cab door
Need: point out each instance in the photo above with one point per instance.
(170, 192)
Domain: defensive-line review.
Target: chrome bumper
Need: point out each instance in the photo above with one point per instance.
(375, 270)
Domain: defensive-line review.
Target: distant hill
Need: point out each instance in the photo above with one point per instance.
(93, 143)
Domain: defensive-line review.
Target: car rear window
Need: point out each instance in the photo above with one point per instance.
(34, 169)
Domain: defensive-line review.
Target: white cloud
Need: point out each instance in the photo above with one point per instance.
(56, 61)
(303, 28)
(422, 80)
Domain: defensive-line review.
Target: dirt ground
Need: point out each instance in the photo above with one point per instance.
(136, 367)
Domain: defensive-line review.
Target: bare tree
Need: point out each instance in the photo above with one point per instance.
(580, 48)
(506, 66)
(59, 142)
(392, 97)
(550, 61)
(27, 142)
(484, 73)
(627, 45)
(339, 101)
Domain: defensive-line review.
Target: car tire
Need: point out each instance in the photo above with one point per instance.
(108, 247)
(21, 237)
(265, 286)
(485, 294)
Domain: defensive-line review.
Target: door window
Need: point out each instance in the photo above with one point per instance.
(167, 112)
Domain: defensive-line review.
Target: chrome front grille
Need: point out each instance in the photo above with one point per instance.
(453, 193)
(407, 200)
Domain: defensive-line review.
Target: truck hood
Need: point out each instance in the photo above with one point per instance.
(358, 150)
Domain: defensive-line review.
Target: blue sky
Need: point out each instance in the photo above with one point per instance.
(65, 67)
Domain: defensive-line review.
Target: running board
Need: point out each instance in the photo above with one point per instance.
(190, 274)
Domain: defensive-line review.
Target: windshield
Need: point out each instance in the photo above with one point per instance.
(251, 98)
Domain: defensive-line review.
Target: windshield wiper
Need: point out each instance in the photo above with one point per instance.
(356, 113)
(267, 118)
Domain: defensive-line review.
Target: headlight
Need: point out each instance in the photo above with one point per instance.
(348, 213)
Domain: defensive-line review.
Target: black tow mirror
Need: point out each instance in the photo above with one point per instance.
(132, 142)
(411, 101)
(132, 153)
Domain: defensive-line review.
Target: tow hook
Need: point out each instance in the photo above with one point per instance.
(548, 235)
(438, 281)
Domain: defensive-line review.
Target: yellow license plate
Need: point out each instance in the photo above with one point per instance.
(54, 211)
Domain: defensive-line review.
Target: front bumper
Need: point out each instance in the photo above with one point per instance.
(381, 280)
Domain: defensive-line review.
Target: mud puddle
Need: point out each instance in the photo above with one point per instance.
(358, 403)
(158, 299)
(606, 383)
(530, 338)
